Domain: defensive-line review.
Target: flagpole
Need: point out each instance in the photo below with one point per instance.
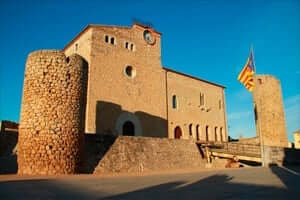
(261, 139)
(254, 66)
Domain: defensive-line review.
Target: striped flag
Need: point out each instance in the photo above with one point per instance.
(247, 74)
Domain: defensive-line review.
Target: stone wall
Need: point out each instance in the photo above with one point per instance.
(51, 128)
(254, 140)
(269, 111)
(281, 156)
(142, 154)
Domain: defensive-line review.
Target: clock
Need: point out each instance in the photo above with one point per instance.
(148, 37)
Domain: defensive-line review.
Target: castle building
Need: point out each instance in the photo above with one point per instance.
(129, 92)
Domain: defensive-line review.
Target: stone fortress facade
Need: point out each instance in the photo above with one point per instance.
(131, 93)
(109, 80)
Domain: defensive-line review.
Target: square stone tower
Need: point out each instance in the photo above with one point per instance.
(269, 111)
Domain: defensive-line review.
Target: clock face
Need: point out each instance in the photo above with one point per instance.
(149, 38)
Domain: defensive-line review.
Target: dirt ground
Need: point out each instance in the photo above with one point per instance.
(242, 183)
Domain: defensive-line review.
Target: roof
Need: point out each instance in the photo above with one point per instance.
(193, 77)
(108, 26)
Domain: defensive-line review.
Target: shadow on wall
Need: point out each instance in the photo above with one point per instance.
(96, 146)
(207, 187)
(107, 114)
(8, 157)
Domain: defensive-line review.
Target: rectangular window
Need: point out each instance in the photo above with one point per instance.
(106, 39)
(220, 104)
(201, 99)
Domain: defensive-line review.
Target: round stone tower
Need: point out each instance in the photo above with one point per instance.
(51, 131)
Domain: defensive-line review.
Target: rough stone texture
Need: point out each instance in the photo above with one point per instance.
(141, 154)
(270, 120)
(254, 140)
(297, 139)
(281, 156)
(52, 116)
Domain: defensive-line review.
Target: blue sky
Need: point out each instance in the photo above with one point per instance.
(208, 39)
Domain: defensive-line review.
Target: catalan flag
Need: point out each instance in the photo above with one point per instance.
(247, 74)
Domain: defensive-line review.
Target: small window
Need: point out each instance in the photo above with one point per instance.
(221, 134)
(76, 46)
(216, 136)
(207, 133)
(126, 45)
(260, 81)
(130, 72)
(201, 99)
(131, 47)
(106, 39)
(112, 40)
(197, 132)
(220, 104)
(174, 101)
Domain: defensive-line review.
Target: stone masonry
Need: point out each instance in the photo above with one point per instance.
(145, 154)
(51, 132)
(269, 112)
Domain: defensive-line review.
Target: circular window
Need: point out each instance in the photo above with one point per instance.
(130, 72)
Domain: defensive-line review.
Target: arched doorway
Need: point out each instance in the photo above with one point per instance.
(128, 128)
(177, 132)
(207, 133)
(216, 134)
(197, 132)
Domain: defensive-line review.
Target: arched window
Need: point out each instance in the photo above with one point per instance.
(197, 132)
(106, 38)
(174, 102)
(207, 133)
(128, 128)
(131, 47)
(191, 129)
(112, 40)
(221, 134)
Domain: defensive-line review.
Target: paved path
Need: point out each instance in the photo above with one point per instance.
(244, 183)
